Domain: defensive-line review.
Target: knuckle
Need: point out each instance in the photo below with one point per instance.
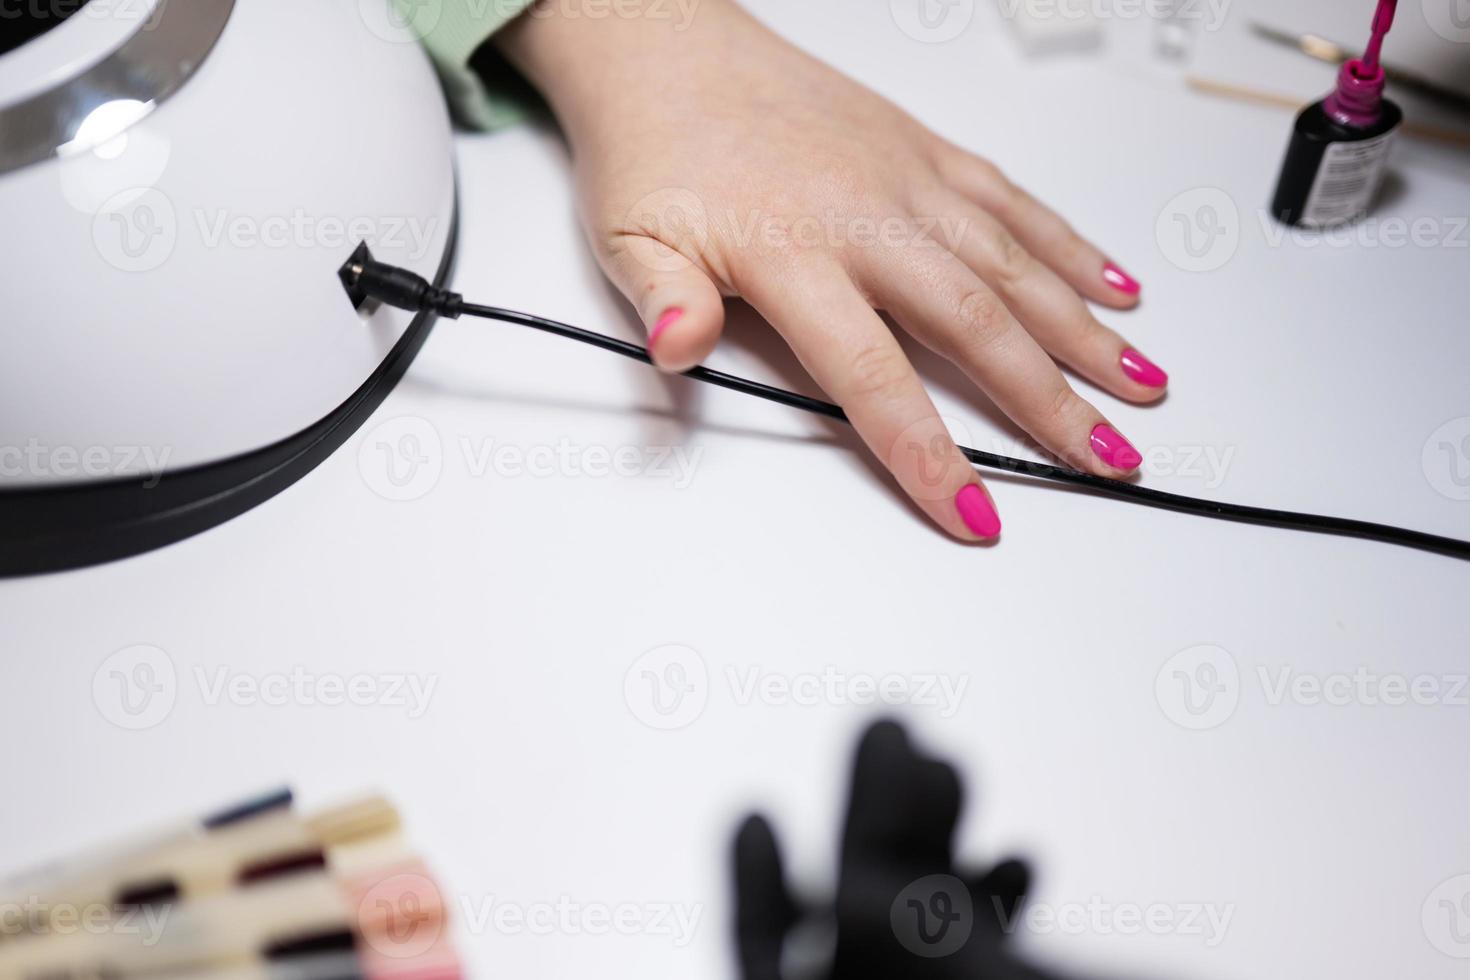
(990, 173)
(1061, 406)
(1011, 201)
(1074, 249)
(982, 319)
(876, 371)
(1097, 339)
(1012, 262)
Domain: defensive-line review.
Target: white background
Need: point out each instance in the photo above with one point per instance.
(1322, 372)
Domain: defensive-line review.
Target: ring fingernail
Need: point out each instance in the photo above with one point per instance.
(1142, 370)
(1113, 449)
(977, 511)
(1120, 280)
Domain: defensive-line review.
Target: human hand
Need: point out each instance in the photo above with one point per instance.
(719, 160)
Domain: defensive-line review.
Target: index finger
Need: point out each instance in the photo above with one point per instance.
(852, 354)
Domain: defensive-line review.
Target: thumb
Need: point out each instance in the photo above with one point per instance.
(680, 306)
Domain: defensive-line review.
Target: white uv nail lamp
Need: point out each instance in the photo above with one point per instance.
(180, 182)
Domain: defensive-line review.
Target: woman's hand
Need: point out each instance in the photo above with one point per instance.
(714, 159)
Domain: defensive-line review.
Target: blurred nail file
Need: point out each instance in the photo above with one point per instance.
(56, 873)
(339, 967)
(386, 918)
(318, 966)
(245, 844)
(1211, 86)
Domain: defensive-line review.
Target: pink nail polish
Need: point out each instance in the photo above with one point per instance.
(664, 322)
(977, 511)
(1142, 370)
(1120, 280)
(1113, 449)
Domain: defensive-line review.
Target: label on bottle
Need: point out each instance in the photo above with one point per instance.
(1346, 181)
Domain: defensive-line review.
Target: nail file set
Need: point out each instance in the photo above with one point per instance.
(255, 892)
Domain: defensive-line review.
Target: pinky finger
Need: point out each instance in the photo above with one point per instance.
(1041, 231)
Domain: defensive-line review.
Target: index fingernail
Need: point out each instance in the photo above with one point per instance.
(1113, 449)
(977, 511)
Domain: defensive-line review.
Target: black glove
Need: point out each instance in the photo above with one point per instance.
(903, 911)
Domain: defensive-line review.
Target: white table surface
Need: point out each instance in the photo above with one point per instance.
(1318, 373)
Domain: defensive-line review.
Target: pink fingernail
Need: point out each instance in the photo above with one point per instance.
(664, 322)
(1120, 280)
(1142, 370)
(1113, 449)
(977, 511)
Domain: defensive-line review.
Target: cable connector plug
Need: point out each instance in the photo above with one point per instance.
(366, 278)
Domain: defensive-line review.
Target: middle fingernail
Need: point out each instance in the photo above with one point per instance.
(1110, 446)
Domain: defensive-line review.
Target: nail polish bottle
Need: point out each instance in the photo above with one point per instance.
(1339, 147)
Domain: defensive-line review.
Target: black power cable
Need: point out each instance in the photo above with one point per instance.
(364, 277)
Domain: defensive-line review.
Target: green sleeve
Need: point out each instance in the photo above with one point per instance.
(452, 30)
